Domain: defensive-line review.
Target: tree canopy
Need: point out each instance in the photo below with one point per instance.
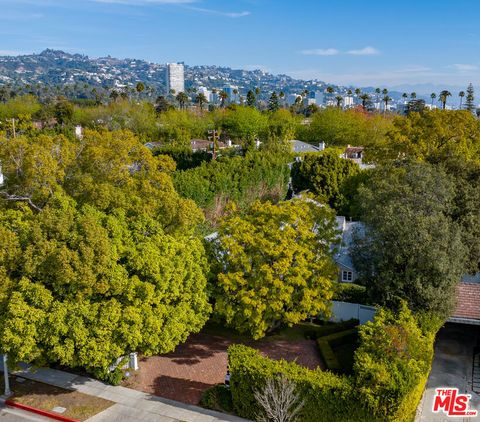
(325, 174)
(99, 256)
(275, 265)
(412, 248)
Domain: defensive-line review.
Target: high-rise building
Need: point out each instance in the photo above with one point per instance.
(175, 77)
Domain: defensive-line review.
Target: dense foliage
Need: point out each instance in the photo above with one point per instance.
(275, 265)
(98, 256)
(240, 179)
(412, 248)
(326, 175)
(390, 372)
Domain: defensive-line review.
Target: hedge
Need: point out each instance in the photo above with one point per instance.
(325, 344)
(391, 368)
(328, 397)
(317, 331)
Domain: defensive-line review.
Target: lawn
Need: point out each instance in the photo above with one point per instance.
(78, 406)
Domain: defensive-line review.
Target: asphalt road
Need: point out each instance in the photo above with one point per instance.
(8, 414)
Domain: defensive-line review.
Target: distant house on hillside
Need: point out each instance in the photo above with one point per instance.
(343, 259)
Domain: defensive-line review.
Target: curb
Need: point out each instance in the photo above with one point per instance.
(41, 412)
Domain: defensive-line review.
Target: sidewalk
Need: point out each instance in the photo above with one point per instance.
(131, 405)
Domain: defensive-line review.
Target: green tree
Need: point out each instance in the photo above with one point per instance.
(201, 100)
(275, 269)
(182, 99)
(456, 134)
(273, 104)
(339, 100)
(403, 209)
(461, 94)
(140, 87)
(223, 98)
(393, 358)
(324, 175)
(443, 98)
(469, 103)
(251, 99)
(433, 96)
(365, 99)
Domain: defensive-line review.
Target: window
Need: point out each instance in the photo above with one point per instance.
(347, 276)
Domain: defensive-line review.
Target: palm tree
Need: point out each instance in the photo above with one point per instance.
(330, 89)
(358, 91)
(364, 98)
(235, 93)
(377, 93)
(182, 99)
(349, 92)
(443, 97)
(200, 99)
(223, 97)
(461, 94)
(413, 95)
(433, 96)
(386, 100)
(404, 96)
(281, 95)
(339, 100)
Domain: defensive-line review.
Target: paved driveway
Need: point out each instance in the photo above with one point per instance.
(452, 367)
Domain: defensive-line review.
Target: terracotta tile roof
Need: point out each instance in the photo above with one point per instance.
(468, 301)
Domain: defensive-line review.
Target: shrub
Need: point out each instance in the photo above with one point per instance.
(328, 397)
(218, 398)
(391, 368)
(330, 328)
(351, 292)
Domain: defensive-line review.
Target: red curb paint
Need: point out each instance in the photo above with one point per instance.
(41, 412)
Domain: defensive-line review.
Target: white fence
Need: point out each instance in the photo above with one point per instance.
(343, 311)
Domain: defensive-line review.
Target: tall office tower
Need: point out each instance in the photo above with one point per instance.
(175, 77)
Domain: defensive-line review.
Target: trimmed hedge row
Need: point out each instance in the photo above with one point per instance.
(328, 397)
(391, 368)
(325, 330)
(325, 344)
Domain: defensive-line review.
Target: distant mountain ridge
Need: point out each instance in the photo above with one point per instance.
(56, 67)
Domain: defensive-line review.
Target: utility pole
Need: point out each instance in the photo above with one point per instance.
(8, 392)
(213, 136)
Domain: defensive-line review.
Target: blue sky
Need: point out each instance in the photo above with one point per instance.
(378, 43)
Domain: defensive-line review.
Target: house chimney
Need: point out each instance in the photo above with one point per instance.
(321, 146)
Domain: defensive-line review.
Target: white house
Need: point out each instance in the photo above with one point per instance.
(347, 230)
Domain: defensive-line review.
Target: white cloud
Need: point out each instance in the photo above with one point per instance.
(144, 2)
(219, 12)
(367, 51)
(321, 52)
(11, 53)
(463, 67)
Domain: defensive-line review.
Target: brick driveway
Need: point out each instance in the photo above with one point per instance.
(201, 363)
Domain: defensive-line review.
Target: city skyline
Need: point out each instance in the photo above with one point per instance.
(349, 44)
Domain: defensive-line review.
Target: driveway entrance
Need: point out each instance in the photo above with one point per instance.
(452, 367)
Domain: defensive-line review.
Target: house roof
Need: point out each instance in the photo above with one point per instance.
(348, 230)
(353, 150)
(300, 146)
(205, 143)
(468, 301)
